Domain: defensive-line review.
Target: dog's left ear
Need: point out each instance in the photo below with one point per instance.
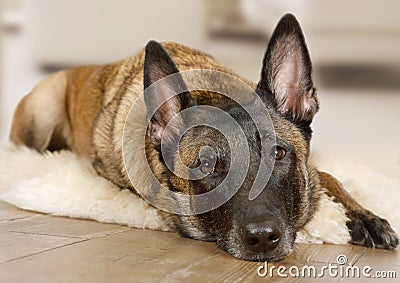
(286, 72)
(165, 93)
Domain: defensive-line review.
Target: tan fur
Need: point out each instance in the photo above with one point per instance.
(336, 190)
(42, 113)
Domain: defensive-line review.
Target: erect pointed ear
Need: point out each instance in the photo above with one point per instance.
(165, 93)
(286, 72)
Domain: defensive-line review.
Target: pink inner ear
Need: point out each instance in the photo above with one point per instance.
(286, 84)
(289, 89)
(157, 73)
(165, 124)
(301, 106)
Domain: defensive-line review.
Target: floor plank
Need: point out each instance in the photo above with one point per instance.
(9, 212)
(60, 226)
(14, 246)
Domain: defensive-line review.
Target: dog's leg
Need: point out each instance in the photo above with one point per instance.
(366, 228)
(40, 116)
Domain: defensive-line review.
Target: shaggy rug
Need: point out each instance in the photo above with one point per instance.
(64, 184)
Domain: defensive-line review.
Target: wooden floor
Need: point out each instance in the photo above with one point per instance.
(42, 248)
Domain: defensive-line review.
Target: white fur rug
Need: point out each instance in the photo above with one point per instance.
(63, 184)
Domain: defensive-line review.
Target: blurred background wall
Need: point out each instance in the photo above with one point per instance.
(354, 45)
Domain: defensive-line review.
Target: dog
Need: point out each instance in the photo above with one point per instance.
(91, 111)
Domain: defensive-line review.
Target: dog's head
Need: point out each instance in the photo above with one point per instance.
(260, 228)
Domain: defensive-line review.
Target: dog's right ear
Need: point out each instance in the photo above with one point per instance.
(165, 93)
(286, 72)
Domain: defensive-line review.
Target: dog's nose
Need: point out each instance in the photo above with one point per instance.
(261, 236)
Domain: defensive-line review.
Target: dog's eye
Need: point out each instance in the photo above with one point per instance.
(278, 152)
(207, 166)
(208, 159)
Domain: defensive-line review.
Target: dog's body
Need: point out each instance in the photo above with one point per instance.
(85, 109)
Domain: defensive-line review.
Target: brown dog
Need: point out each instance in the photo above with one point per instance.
(87, 110)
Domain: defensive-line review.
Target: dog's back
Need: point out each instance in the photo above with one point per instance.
(61, 111)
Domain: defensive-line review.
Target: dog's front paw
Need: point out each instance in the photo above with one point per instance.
(367, 229)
